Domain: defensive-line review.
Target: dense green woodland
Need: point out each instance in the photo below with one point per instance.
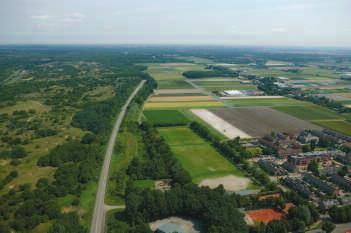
(60, 78)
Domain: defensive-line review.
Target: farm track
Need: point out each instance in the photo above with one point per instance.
(98, 220)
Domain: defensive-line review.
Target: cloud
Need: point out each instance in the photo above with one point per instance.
(41, 17)
(75, 17)
(279, 29)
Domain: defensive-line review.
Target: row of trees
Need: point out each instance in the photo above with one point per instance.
(158, 162)
(215, 71)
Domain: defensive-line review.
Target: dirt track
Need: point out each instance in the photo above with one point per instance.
(230, 183)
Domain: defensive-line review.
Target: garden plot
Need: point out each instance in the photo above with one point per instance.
(219, 124)
(257, 122)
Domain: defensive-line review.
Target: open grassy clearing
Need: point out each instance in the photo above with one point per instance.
(260, 102)
(26, 106)
(199, 158)
(172, 105)
(166, 117)
(310, 112)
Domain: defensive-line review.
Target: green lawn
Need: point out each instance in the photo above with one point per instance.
(259, 102)
(197, 156)
(310, 112)
(176, 136)
(166, 117)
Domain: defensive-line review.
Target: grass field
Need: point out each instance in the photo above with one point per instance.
(339, 126)
(259, 102)
(320, 116)
(173, 84)
(166, 117)
(310, 112)
(173, 105)
(198, 157)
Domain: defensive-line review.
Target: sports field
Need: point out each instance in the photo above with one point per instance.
(263, 102)
(166, 117)
(198, 157)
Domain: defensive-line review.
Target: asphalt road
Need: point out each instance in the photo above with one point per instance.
(98, 220)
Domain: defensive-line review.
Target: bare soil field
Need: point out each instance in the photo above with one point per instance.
(219, 124)
(180, 98)
(230, 183)
(176, 91)
(184, 225)
(258, 122)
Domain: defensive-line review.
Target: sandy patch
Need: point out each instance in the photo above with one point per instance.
(180, 98)
(230, 183)
(176, 91)
(219, 124)
(186, 225)
(252, 97)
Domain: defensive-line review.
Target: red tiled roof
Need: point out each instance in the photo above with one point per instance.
(265, 215)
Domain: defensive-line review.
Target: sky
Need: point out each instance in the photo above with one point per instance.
(194, 22)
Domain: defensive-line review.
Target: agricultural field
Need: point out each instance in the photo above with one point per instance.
(180, 105)
(264, 102)
(310, 112)
(199, 158)
(166, 117)
(320, 116)
(180, 99)
(260, 121)
(224, 85)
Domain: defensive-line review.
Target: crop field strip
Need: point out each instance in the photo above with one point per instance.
(182, 105)
(199, 158)
(264, 102)
(166, 117)
(181, 99)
